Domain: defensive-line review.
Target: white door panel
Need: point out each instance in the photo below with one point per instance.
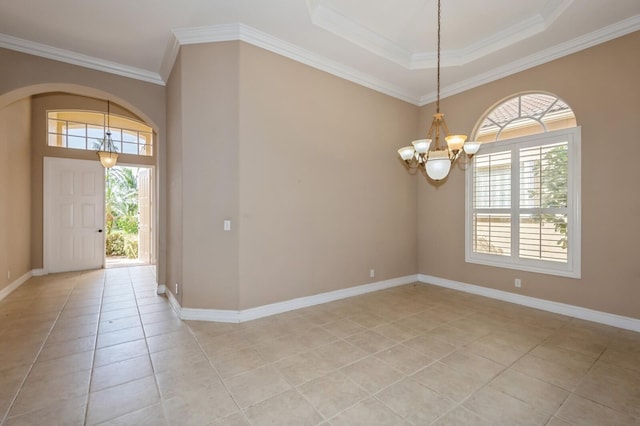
(73, 214)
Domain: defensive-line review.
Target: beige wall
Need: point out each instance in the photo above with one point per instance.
(174, 178)
(205, 184)
(25, 75)
(323, 198)
(15, 188)
(303, 164)
(601, 85)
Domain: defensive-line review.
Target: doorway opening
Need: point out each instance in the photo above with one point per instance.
(128, 216)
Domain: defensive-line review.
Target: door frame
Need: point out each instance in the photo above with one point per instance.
(46, 213)
(153, 257)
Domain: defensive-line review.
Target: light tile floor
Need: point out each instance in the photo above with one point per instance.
(101, 347)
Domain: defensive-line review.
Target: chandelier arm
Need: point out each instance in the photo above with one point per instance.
(431, 129)
(430, 156)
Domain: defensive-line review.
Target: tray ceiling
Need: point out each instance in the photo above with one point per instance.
(387, 46)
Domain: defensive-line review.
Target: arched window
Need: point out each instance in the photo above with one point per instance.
(85, 129)
(523, 187)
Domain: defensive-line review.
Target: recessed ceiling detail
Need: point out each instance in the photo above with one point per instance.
(388, 46)
(324, 15)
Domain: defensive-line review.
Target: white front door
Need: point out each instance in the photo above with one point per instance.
(73, 214)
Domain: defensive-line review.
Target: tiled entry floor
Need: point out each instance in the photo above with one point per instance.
(101, 347)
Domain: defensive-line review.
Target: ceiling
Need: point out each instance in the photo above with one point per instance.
(389, 46)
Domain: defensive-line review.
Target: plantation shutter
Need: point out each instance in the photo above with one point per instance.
(543, 208)
(492, 203)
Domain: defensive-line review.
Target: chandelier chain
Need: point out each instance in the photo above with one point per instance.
(438, 93)
(428, 153)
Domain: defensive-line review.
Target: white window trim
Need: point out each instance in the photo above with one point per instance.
(570, 269)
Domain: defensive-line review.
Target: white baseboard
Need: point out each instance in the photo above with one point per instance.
(162, 289)
(546, 305)
(14, 285)
(220, 315)
(174, 304)
(237, 316)
(39, 272)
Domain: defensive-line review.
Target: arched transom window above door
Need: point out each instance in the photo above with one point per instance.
(77, 129)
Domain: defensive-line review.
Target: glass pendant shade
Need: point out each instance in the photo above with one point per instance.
(438, 165)
(406, 153)
(471, 147)
(107, 151)
(421, 145)
(108, 159)
(432, 152)
(455, 142)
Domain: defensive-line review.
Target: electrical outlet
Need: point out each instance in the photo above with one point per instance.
(177, 289)
(518, 282)
(372, 273)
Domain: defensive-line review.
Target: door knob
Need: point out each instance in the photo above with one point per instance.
(99, 230)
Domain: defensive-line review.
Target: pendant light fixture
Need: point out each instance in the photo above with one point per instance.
(107, 150)
(429, 153)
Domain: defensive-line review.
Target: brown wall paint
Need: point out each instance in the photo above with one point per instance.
(206, 181)
(323, 198)
(304, 165)
(25, 75)
(174, 178)
(15, 190)
(301, 162)
(601, 85)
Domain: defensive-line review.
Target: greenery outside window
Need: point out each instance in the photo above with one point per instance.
(523, 193)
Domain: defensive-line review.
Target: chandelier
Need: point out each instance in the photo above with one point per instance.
(430, 153)
(107, 151)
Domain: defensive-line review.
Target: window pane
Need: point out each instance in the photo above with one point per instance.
(492, 234)
(520, 127)
(146, 150)
(543, 237)
(116, 134)
(57, 126)
(56, 140)
(90, 126)
(543, 176)
(145, 137)
(130, 136)
(129, 148)
(492, 180)
(77, 129)
(76, 142)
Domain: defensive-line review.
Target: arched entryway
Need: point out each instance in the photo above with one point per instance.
(32, 204)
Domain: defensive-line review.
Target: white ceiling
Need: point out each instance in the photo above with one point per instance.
(389, 46)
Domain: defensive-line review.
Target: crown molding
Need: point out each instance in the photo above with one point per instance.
(169, 58)
(602, 35)
(247, 34)
(241, 32)
(62, 55)
(330, 20)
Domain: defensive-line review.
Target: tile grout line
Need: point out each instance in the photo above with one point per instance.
(144, 333)
(195, 337)
(44, 342)
(132, 287)
(95, 344)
